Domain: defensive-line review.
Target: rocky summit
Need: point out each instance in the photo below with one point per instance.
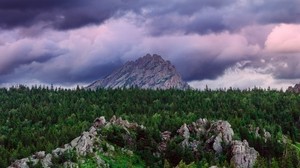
(295, 89)
(148, 72)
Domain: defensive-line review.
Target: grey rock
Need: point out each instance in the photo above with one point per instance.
(99, 122)
(85, 144)
(264, 134)
(221, 132)
(185, 133)
(148, 72)
(243, 156)
(40, 155)
(47, 161)
(58, 152)
(74, 142)
(93, 130)
(217, 144)
(22, 163)
(295, 89)
(223, 129)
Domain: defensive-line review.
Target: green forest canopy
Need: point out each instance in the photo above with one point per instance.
(38, 118)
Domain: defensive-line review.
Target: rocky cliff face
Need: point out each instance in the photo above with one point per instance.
(295, 89)
(104, 137)
(148, 72)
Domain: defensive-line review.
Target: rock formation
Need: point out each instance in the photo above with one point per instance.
(243, 155)
(85, 144)
(211, 136)
(295, 89)
(148, 72)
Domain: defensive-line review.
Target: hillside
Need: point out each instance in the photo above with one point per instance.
(41, 119)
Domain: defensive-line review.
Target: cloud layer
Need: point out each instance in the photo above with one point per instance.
(68, 42)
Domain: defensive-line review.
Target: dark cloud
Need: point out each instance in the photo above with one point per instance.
(68, 14)
(199, 70)
(9, 67)
(202, 38)
(80, 75)
(201, 17)
(60, 14)
(275, 11)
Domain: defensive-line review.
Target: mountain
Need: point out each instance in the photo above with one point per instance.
(295, 89)
(148, 72)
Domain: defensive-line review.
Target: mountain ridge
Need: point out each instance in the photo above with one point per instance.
(147, 72)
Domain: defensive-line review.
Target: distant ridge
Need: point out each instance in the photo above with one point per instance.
(147, 72)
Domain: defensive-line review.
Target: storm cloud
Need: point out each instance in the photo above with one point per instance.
(69, 42)
(189, 16)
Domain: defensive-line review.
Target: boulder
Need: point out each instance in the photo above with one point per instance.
(185, 133)
(47, 161)
(243, 156)
(22, 163)
(85, 144)
(99, 122)
(222, 129)
(219, 132)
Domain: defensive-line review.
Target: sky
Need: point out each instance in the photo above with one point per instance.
(214, 43)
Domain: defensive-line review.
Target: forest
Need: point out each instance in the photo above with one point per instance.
(43, 118)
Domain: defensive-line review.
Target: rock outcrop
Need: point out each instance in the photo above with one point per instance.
(295, 89)
(210, 136)
(87, 143)
(243, 155)
(148, 72)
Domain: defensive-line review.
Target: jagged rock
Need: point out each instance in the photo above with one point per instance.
(243, 156)
(295, 89)
(124, 123)
(223, 129)
(261, 133)
(199, 127)
(221, 132)
(148, 72)
(185, 133)
(85, 144)
(166, 135)
(217, 146)
(199, 135)
(47, 161)
(39, 155)
(74, 142)
(58, 152)
(22, 163)
(99, 122)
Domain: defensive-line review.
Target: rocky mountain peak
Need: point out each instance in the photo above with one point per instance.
(147, 72)
(295, 89)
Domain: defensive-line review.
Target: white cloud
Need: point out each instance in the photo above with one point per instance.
(244, 78)
(285, 38)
